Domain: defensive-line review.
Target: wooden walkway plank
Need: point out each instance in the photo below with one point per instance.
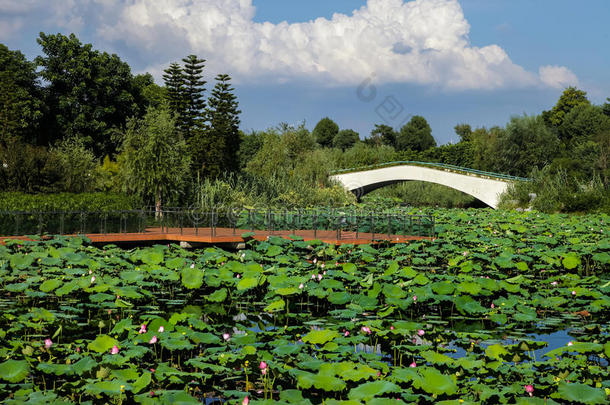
(229, 235)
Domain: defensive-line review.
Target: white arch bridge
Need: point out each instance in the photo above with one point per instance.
(484, 186)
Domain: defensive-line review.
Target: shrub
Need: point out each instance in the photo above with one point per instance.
(14, 201)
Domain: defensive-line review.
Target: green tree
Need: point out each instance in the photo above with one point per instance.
(21, 106)
(485, 148)
(154, 158)
(526, 143)
(216, 149)
(345, 139)
(325, 131)
(570, 98)
(248, 147)
(147, 93)
(606, 107)
(173, 78)
(89, 93)
(415, 135)
(583, 123)
(385, 134)
(193, 96)
(78, 166)
(464, 131)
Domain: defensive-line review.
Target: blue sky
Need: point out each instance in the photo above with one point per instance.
(473, 61)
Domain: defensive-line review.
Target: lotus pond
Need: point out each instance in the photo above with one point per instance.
(501, 308)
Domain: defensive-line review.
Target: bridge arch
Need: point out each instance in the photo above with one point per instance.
(486, 187)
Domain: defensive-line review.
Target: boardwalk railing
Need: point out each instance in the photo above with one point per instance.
(346, 223)
(442, 166)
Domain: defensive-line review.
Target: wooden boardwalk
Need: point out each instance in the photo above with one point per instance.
(214, 236)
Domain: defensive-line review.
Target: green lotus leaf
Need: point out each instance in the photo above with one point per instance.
(287, 291)
(372, 389)
(275, 306)
(320, 337)
(218, 295)
(339, 298)
(14, 371)
(84, 365)
(142, 382)
(114, 387)
(247, 283)
(191, 277)
(274, 250)
(294, 397)
(152, 256)
(496, 352)
(50, 285)
(571, 261)
(20, 261)
(102, 344)
(66, 289)
(581, 393)
(434, 382)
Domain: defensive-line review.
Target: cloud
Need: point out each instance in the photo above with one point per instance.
(422, 42)
(558, 77)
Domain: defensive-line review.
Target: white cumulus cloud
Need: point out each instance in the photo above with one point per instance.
(557, 77)
(394, 41)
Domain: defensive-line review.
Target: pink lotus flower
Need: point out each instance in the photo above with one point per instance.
(530, 390)
(319, 277)
(391, 327)
(421, 332)
(90, 271)
(492, 305)
(238, 276)
(114, 350)
(415, 298)
(366, 329)
(570, 343)
(346, 334)
(226, 336)
(246, 401)
(77, 349)
(315, 260)
(192, 265)
(161, 329)
(413, 365)
(153, 340)
(301, 286)
(573, 292)
(313, 276)
(142, 329)
(48, 343)
(322, 265)
(262, 365)
(92, 279)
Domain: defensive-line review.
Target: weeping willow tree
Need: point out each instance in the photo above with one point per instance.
(154, 157)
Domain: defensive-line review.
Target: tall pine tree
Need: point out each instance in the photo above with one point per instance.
(193, 119)
(175, 84)
(215, 151)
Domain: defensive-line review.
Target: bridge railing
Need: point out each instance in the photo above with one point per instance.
(444, 166)
(350, 223)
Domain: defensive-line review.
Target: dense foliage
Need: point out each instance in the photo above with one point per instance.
(66, 111)
(94, 202)
(503, 308)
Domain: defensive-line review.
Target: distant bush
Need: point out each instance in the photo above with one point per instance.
(14, 201)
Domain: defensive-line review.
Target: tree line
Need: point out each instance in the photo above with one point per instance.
(76, 119)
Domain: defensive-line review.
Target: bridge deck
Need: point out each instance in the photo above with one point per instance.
(229, 235)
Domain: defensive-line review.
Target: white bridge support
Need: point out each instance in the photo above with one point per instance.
(483, 188)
